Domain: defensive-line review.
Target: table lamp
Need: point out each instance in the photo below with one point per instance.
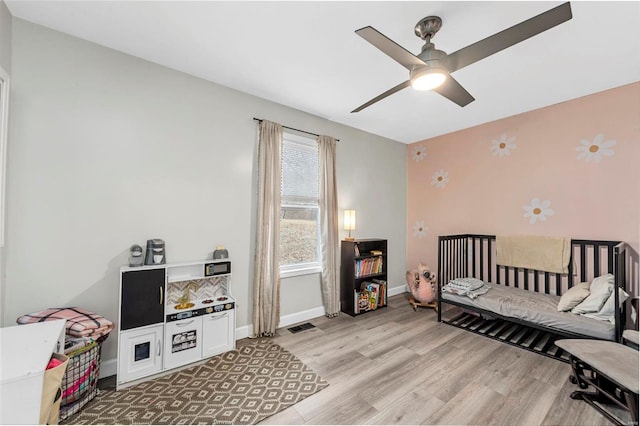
(349, 223)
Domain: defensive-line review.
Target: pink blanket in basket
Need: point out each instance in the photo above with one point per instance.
(80, 322)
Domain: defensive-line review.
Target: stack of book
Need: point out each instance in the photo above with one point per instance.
(371, 296)
(368, 266)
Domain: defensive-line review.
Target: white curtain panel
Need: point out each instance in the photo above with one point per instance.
(329, 225)
(266, 282)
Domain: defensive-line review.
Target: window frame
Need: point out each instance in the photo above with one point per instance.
(302, 268)
(4, 135)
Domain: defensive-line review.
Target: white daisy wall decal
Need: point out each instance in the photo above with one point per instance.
(595, 150)
(419, 152)
(440, 179)
(419, 230)
(503, 146)
(538, 210)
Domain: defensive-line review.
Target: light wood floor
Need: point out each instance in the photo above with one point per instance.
(397, 366)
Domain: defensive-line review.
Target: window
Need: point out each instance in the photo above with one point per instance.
(299, 208)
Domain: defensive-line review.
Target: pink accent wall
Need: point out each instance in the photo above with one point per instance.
(572, 168)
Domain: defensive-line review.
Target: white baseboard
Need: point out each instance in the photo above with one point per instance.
(301, 316)
(109, 367)
(398, 290)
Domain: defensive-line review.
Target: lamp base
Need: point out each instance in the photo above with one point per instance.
(349, 239)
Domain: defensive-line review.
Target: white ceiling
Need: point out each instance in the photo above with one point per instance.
(306, 55)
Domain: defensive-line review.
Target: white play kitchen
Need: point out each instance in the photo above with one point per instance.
(172, 315)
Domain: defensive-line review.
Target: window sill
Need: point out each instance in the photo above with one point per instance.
(301, 271)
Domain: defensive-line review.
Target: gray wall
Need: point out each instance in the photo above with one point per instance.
(5, 37)
(107, 150)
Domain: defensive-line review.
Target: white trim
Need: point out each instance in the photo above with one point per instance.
(305, 140)
(247, 330)
(301, 316)
(108, 368)
(4, 138)
(397, 290)
(289, 273)
(244, 332)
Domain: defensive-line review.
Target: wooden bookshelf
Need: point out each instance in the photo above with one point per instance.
(363, 276)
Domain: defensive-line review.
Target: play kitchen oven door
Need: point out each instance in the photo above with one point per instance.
(183, 342)
(218, 332)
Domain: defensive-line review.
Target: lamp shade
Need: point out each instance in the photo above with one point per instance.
(349, 220)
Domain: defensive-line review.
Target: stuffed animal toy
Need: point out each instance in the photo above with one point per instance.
(422, 283)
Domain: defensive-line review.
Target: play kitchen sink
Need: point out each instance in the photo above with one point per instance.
(185, 300)
(185, 305)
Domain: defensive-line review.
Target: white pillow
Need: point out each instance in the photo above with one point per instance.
(572, 297)
(601, 289)
(607, 313)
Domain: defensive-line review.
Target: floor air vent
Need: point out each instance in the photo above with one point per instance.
(301, 327)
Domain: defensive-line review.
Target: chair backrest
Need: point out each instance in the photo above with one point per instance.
(634, 303)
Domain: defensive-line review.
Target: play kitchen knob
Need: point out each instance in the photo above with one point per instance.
(209, 309)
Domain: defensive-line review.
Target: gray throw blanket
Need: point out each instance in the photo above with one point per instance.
(470, 287)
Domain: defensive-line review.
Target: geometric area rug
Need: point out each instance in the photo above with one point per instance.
(243, 386)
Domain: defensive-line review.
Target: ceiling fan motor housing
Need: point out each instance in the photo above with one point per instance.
(433, 57)
(428, 27)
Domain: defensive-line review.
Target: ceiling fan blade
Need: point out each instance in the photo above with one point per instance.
(509, 37)
(453, 91)
(390, 47)
(384, 95)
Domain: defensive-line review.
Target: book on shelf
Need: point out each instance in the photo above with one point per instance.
(368, 266)
(374, 295)
(361, 301)
(356, 250)
(371, 293)
(383, 291)
(376, 252)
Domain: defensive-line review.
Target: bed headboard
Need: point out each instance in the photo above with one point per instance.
(472, 255)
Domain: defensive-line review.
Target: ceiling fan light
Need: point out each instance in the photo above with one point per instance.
(428, 79)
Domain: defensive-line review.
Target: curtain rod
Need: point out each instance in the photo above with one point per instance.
(260, 120)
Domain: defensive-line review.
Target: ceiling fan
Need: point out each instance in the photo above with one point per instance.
(431, 69)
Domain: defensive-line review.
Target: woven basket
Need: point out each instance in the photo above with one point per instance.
(80, 382)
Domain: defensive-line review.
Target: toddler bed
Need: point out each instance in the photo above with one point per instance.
(521, 306)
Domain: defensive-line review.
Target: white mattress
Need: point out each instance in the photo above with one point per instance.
(536, 308)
